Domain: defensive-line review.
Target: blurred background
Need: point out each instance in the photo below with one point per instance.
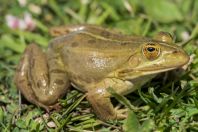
(25, 21)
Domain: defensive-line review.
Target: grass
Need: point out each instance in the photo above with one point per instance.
(164, 104)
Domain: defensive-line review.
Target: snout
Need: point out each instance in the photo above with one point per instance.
(177, 58)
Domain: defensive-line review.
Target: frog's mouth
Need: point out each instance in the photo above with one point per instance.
(155, 71)
(147, 70)
(158, 68)
(134, 73)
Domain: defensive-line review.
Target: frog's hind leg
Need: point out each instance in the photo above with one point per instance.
(40, 82)
(23, 83)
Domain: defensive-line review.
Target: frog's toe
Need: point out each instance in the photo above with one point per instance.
(56, 107)
(121, 113)
(118, 106)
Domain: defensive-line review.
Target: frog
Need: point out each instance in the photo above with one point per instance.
(93, 59)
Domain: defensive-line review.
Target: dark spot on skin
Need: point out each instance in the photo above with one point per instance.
(91, 41)
(21, 81)
(29, 84)
(56, 32)
(175, 52)
(66, 31)
(57, 71)
(74, 44)
(105, 33)
(56, 42)
(59, 82)
(39, 84)
(124, 43)
(32, 62)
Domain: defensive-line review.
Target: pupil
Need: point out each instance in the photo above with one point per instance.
(150, 49)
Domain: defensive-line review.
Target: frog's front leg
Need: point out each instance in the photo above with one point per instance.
(99, 97)
(41, 79)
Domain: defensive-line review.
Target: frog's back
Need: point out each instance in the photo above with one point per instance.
(92, 57)
(83, 39)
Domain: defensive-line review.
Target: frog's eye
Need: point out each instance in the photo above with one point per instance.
(151, 51)
(164, 37)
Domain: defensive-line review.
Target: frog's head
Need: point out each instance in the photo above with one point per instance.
(155, 56)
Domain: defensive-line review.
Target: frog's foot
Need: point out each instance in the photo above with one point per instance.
(121, 113)
(103, 107)
(56, 107)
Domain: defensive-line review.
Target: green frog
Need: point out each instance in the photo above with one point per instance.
(92, 59)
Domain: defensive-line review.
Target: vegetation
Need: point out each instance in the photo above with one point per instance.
(167, 103)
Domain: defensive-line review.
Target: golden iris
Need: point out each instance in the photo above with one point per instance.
(151, 51)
